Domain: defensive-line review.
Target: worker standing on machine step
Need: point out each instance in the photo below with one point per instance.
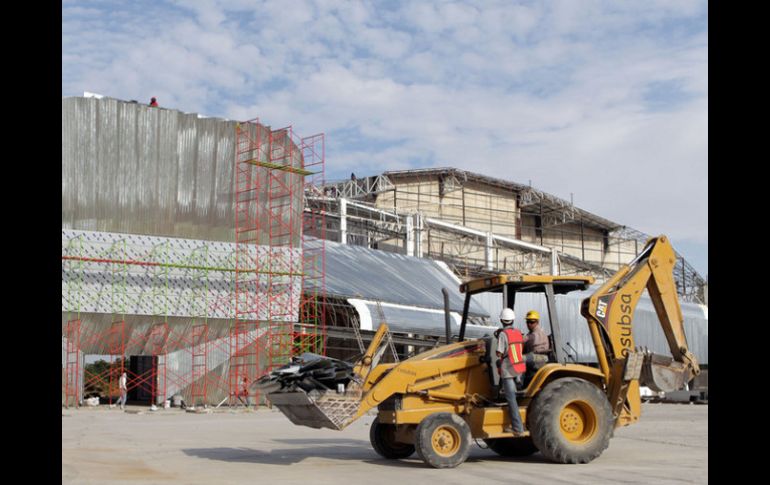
(510, 351)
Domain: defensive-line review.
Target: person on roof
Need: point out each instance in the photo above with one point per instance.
(153, 102)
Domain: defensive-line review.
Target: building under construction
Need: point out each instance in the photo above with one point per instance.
(184, 259)
(198, 252)
(481, 225)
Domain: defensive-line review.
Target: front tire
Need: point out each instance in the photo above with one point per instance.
(571, 421)
(383, 439)
(443, 440)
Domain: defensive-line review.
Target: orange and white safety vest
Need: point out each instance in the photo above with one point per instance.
(516, 349)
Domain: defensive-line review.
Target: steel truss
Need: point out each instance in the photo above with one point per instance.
(368, 229)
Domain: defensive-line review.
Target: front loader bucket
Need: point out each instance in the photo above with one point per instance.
(326, 409)
(663, 374)
(309, 398)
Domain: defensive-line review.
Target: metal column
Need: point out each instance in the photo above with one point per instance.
(343, 221)
(409, 242)
(488, 252)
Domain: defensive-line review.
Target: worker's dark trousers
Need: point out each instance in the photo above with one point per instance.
(509, 387)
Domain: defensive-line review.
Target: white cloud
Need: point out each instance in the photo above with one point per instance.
(555, 92)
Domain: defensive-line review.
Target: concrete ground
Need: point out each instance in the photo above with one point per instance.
(102, 445)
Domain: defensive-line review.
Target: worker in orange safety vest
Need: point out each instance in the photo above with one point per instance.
(510, 351)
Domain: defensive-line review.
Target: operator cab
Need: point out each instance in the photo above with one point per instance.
(508, 286)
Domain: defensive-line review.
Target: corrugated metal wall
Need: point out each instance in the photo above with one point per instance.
(130, 168)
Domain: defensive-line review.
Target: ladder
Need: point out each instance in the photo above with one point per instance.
(381, 317)
(359, 339)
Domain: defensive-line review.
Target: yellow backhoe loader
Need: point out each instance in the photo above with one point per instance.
(437, 402)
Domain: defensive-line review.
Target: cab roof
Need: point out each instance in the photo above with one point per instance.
(527, 283)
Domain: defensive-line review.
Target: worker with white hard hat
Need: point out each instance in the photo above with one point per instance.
(510, 351)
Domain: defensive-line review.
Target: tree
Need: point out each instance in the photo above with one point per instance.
(97, 378)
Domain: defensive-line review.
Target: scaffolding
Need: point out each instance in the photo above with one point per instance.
(203, 345)
(208, 318)
(110, 341)
(278, 280)
(73, 359)
(72, 364)
(131, 295)
(159, 332)
(158, 339)
(249, 184)
(284, 187)
(311, 335)
(126, 295)
(199, 350)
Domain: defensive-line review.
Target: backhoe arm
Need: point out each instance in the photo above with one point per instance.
(610, 313)
(662, 290)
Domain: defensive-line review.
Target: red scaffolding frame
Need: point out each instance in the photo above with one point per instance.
(156, 345)
(199, 350)
(114, 338)
(312, 334)
(150, 343)
(270, 269)
(72, 363)
(179, 339)
(243, 348)
(284, 191)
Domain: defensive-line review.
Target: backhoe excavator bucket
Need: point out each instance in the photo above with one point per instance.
(663, 374)
(324, 409)
(308, 402)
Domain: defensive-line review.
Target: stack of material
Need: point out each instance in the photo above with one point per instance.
(308, 372)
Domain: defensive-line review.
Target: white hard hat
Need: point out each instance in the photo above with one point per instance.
(507, 315)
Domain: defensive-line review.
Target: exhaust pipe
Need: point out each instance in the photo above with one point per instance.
(447, 323)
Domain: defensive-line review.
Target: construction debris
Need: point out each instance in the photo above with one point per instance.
(308, 372)
(199, 410)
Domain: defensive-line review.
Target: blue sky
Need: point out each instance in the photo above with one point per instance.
(606, 100)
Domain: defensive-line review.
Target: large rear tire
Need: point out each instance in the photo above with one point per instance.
(383, 439)
(570, 421)
(443, 440)
(512, 446)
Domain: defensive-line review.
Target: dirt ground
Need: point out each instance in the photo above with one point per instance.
(102, 445)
